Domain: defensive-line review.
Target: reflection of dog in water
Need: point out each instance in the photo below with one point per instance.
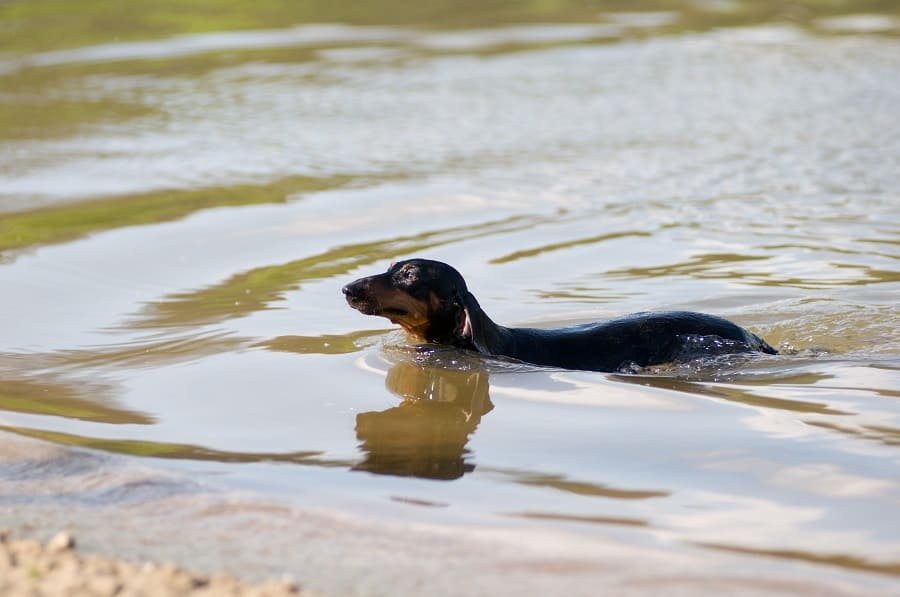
(426, 434)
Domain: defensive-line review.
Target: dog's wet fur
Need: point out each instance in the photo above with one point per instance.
(430, 300)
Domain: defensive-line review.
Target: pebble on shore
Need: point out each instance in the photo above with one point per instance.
(56, 569)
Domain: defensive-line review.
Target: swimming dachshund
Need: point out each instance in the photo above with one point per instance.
(430, 300)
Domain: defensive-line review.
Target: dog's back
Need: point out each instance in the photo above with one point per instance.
(640, 339)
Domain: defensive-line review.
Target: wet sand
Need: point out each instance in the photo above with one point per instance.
(30, 567)
(58, 567)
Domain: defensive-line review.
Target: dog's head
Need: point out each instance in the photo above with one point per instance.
(429, 299)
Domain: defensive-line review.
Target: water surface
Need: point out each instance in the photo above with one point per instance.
(178, 215)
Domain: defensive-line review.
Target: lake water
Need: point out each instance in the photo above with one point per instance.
(178, 215)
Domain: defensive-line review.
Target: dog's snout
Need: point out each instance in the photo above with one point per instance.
(359, 295)
(351, 290)
(357, 290)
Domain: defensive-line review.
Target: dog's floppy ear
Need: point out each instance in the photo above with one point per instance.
(468, 321)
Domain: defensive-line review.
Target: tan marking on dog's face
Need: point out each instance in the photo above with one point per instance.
(434, 301)
(399, 307)
(419, 313)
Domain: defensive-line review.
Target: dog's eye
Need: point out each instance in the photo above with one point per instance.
(407, 274)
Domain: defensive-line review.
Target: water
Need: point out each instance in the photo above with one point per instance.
(178, 215)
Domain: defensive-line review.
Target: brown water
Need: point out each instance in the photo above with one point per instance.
(178, 215)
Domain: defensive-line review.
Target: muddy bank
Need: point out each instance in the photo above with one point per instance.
(30, 567)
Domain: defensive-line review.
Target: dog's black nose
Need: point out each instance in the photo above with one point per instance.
(351, 290)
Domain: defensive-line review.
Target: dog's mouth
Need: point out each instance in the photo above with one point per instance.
(364, 306)
(368, 306)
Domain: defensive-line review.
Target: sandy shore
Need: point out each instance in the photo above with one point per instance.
(29, 567)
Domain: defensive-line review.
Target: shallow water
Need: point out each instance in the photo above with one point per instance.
(178, 215)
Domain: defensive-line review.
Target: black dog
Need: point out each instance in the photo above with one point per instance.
(429, 299)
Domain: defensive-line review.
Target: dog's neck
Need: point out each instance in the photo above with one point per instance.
(479, 332)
